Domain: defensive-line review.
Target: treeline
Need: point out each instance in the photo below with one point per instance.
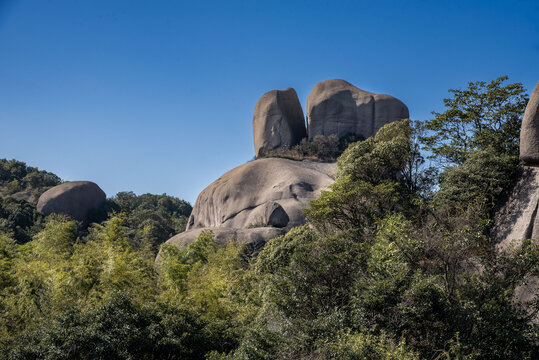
(152, 219)
(396, 262)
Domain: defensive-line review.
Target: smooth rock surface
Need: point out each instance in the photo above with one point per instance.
(529, 134)
(237, 198)
(74, 198)
(278, 121)
(336, 107)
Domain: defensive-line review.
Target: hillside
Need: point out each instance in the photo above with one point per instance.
(379, 255)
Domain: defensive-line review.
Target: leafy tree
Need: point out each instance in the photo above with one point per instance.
(481, 116)
(16, 176)
(369, 182)
(119, 329)
(20, 219)
(151, 219)
(481, 179)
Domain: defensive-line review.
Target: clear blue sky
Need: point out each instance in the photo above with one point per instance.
(157, 96)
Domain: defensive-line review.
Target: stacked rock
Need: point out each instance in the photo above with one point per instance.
(278, 121)
(334, 107)
(265, 198)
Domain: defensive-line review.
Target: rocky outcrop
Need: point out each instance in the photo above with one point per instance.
(517, 217)
(264, 192)
(529, 135)
(278, 121)
(266, 197)
(336, 107)
(517, 220)
(74, 198)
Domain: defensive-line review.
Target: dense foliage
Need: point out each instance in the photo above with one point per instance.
(389, 266)
(485, 115)
(20, 187)
(151, 219)
(320, 148)
(16, 176)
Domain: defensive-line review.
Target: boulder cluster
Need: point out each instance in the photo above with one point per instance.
(265, 198)
(334, 107)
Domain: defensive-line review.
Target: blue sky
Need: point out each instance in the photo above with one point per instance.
(157, 96)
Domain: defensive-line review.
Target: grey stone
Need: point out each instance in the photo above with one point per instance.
(268, 214)
(278, 121)
(249, 192)
(74, 198)
(255, 237)
(529, 134)
(336, 107)
(517, 220)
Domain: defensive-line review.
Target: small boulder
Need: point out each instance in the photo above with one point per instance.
(336, 107)
(74, 198)
(529, 134)
(278, 121)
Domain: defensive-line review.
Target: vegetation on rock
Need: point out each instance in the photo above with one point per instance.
(320, 148)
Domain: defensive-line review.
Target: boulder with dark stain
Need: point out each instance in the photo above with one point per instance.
(336, 107)
(74, 198)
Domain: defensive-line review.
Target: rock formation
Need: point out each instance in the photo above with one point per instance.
(264, 192)
(74, 198)
(529, 135)
(278, 121)
(265, 198)
(336, 107)
(257, 201)
(517, 217)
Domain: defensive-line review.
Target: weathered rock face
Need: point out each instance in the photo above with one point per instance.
(529, 134)
(74, 198)
(278, 121)
(336, 107)
(517, 220)
(260, 193)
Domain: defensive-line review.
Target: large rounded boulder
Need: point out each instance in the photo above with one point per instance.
(262, 193)
(278, 121)
(336, 107)
(74, 198)
(529, 134)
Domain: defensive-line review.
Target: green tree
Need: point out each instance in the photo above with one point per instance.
(480, 116)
